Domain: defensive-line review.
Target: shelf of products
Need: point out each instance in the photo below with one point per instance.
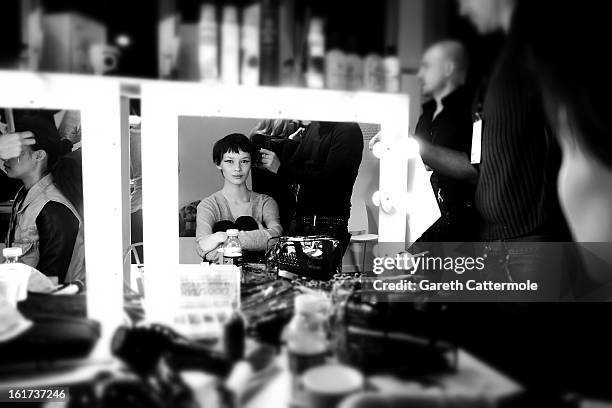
(305, 43)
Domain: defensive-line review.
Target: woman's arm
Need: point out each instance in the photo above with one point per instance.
(207, 241)
(258, 240)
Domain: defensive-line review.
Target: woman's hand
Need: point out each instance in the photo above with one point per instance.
(220, 237)
(269, 160)
(211, 243)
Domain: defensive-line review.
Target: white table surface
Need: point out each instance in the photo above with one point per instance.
(473, 380)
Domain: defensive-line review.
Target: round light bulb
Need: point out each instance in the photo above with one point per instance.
(376, 198)
(387, 204)
(378, 150)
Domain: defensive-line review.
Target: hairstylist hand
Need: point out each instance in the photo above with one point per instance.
(297, 135)
(12, 143)
(269, 160)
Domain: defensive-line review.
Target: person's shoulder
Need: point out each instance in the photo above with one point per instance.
(212, 201)
(260, 197)
(262, 200)
(347, 126)
(55, 211)
(346, 131)
(460, 100)
(429, 105)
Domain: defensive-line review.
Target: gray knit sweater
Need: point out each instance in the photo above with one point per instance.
(216, 208)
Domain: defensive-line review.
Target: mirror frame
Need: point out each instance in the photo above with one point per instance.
(98, 100)
(164, 102)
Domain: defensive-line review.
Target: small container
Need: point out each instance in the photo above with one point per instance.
(230, 46)
(12, 254)
(14, 276)
(234, 336)
(232, 250)
(249, 45)
(306, 336)
(207, 44)
(336, 70)
(354, 72)
(391, 68)
(327, 385)
(315, 71)
(373, 73)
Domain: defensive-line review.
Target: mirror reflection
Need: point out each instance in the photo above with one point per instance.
(42, 197)
(274, 177)
(41, 215)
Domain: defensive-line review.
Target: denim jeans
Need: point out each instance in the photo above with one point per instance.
(534, 258)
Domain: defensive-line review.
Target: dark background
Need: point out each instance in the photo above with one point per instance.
(357, 26)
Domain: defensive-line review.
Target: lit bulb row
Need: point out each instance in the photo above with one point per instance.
(410, 147)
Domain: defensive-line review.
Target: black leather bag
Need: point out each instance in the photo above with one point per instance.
(314, 257)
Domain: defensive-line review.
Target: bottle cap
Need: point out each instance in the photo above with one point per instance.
(12, 252)
(232, 232)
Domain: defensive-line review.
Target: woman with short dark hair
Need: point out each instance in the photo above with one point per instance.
(235, 206)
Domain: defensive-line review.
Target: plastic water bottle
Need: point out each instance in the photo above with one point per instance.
(14, 276)
(11, 255)
(232, 250)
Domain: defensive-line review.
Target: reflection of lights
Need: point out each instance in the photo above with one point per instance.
(123, 40)
(134, 120)
(406, 145)
(377, 150)
(384, 201)
(376, 198)
(412, 147)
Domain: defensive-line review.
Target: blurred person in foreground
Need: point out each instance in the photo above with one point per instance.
(444, 132)
(516, 194)
(517, 197)
(577, 93)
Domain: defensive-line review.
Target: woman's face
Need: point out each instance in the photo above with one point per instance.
(585, 189)
(235, 167)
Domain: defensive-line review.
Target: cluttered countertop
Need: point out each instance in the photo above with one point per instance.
(386, 349)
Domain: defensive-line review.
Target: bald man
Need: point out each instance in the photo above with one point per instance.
(444, 131)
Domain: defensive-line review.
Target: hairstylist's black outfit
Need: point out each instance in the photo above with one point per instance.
(451, 128)
(325, 165)
(266, 182)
